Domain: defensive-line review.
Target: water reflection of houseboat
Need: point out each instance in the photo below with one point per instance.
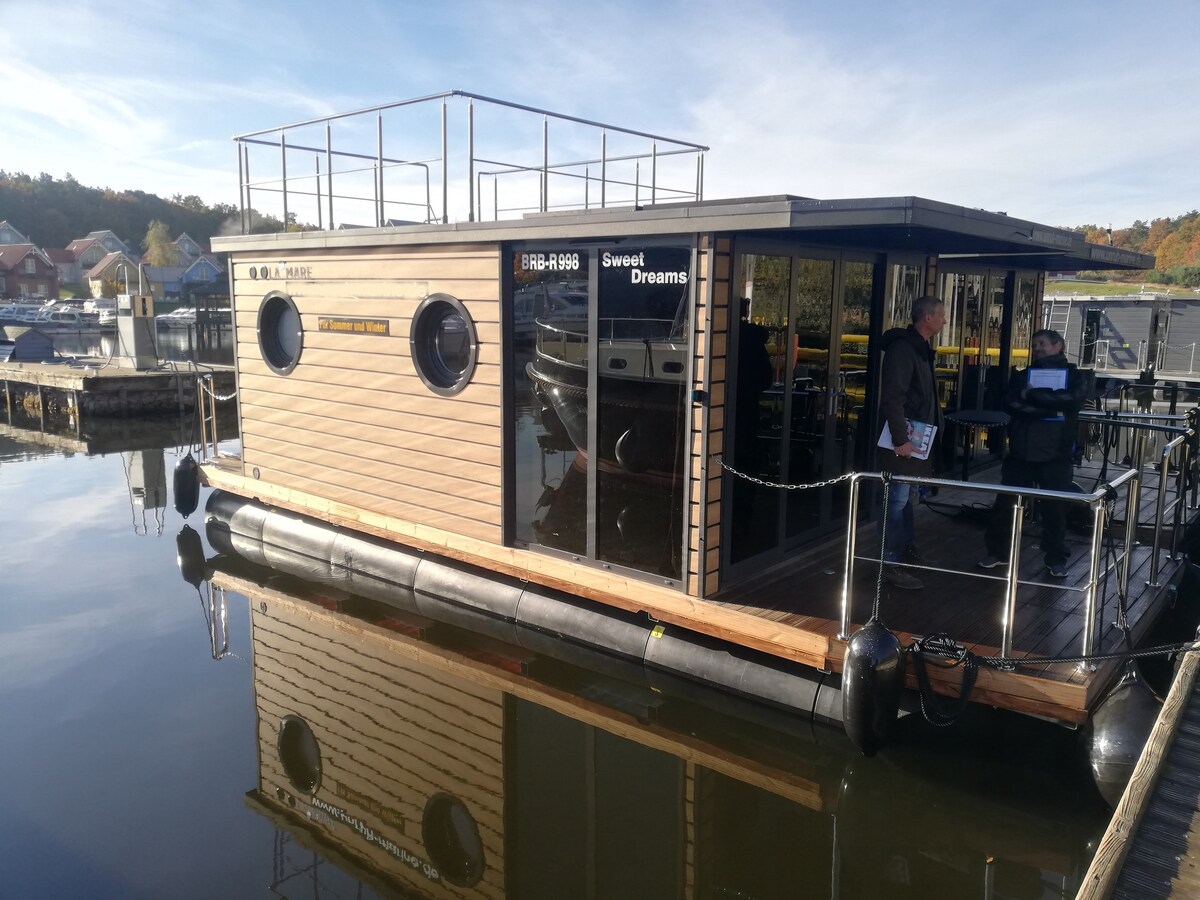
(422, 762)
(383, 387)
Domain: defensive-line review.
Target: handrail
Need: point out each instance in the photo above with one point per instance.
(1097, 500)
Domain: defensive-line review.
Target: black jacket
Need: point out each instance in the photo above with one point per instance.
(908, 390)
(1036, 434)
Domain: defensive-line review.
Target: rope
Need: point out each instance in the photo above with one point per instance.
(941, 714)
(932, 708)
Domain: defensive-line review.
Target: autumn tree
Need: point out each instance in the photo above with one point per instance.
(160, 250)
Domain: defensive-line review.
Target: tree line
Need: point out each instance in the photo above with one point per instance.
(1174, 243)
(53, 212)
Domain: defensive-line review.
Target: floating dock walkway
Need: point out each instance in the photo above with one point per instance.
(1152, 846)
(90, 387)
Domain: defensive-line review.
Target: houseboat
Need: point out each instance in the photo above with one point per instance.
(616, 456)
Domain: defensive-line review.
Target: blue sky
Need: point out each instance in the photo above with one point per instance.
(1061, 112)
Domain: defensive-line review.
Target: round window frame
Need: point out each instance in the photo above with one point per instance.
(294, 739)
(462, 863)
(268, 320)
(421, 331)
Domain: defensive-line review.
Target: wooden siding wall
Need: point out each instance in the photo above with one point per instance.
(709, 368)
(390, 730)
(354, 423)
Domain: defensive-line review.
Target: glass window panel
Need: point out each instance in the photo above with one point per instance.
(765, 283)
(550, 378)
(810, 388)
(642, 349)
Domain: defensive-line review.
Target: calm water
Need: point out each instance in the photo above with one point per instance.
(139, 765)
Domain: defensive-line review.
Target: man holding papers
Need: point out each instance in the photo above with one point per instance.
(1044, 402)
(909, 410)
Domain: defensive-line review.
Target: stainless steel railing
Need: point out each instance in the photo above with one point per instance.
(1177, 455)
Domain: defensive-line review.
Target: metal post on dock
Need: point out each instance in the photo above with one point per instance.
(1091, 601)
(851, 541)
(1014, 565)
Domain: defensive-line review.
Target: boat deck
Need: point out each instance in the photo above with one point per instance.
(965, 602)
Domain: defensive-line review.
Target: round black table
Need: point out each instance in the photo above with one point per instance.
(969, 420)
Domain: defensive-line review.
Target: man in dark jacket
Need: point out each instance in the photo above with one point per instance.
(907, 393)
(1041, 443)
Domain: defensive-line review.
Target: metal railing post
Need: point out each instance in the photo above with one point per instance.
(283, 172)
(446, 170)
(241, 187)
(603, 168)
(545, 163)
(380, 215)
(1091, 604)
(848, 575)
(329, 169)
(1180, 496)
(1014, 565)
(653, 173)
(471, 160)
(1158, 512)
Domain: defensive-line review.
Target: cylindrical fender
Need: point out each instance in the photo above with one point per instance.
(187, 486)
(872, 678)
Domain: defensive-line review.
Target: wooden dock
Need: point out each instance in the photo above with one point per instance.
(1151, 848)
(98, 387)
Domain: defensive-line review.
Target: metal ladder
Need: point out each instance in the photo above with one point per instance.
(1057, 315)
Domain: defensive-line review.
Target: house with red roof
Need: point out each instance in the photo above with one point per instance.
(26, 271)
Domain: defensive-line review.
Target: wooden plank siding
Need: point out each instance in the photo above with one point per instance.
(353, 422)
(392, 734)
(708, 425)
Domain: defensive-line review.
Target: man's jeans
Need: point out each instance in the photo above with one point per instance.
(898, 519)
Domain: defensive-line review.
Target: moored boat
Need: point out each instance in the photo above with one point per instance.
(388, 384)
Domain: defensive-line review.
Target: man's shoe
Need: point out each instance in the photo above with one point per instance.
(1057, 570)
(990, 562)
(899, 578)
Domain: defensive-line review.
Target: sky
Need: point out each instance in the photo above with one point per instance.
(1062, 112)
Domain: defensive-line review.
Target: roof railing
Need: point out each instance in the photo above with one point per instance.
(295, 175)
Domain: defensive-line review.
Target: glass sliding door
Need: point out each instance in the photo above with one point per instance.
(811, 312)
(764, 282)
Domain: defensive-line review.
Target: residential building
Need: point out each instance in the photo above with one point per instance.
(26, 271)
(10, 235)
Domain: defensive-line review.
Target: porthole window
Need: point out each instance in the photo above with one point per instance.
(443, 343)
(280, 334)
(300, 754)
(452, 840)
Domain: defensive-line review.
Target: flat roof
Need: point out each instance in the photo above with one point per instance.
(894, 224)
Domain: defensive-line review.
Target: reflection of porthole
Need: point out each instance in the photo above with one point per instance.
(452, 840)
(300, 754)
(280, 336)
(443, 343)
